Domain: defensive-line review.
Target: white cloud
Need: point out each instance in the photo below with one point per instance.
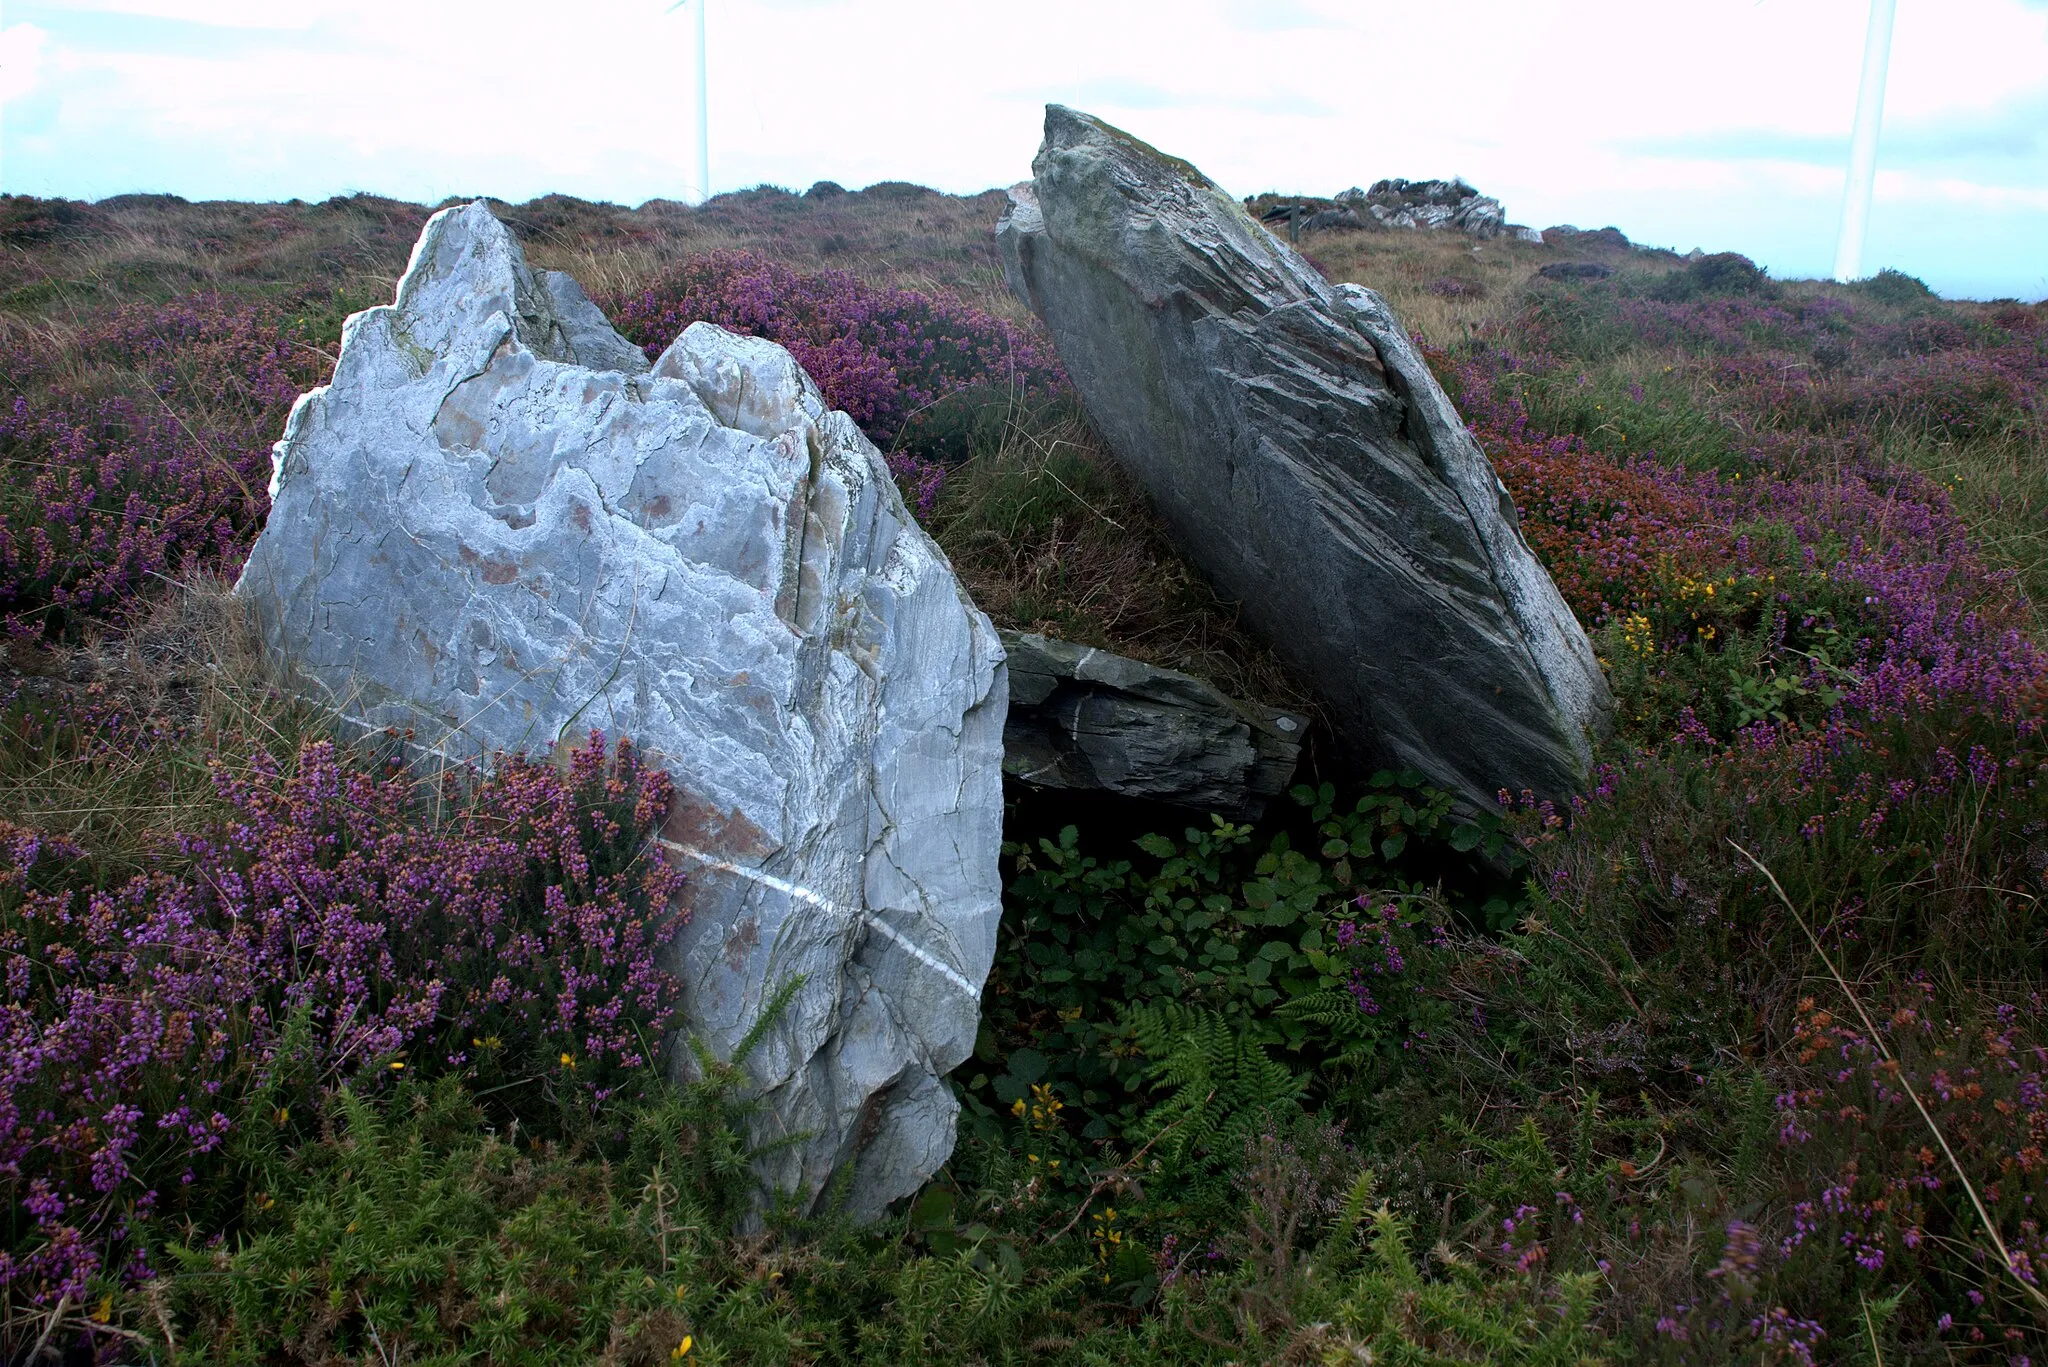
(258, 14)
(21, 59)
(1906, 188)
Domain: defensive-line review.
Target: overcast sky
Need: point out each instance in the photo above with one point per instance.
(1716, 123)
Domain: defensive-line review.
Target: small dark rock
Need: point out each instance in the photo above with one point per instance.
(1087, 719)
(1574, 270)
(1324, 220)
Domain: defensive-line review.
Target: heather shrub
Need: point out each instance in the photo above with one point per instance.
(1814, 662)
(1768, 591)
(1720, 273)
(139, 451)
(1653, 964)
(107, 496)
(331, 934)
(1901, 1190)
(26, 220)
(884, 355)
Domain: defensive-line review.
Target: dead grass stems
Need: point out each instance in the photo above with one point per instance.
(1899, 1075)
(1051, 535)
(179, 693)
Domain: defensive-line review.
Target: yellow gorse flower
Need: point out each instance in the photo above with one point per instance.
(1637, 635)
(1043, 1111)
(682, 1350)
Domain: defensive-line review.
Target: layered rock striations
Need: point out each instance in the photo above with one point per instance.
(1435, 204)
(498, 526)
(1087, 719)
(1304, 456)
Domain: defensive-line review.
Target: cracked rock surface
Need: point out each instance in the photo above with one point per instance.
(499, 526)
(1088, 719)
(1306, 459)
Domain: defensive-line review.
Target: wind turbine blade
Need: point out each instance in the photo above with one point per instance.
(1877, 53)
(702, 188)
(703, 113)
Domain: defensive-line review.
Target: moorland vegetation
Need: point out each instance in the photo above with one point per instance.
(309, 1056)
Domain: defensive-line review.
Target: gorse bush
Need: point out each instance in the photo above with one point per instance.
(407, 1225)
(1896, 287)
(1719, 273)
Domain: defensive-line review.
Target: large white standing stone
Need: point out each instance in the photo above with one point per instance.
(498, 526)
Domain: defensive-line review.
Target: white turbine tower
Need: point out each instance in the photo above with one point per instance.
(1877, 53)
(703, 185)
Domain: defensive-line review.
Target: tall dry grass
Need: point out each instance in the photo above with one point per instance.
(1051, 535)
(116, 742)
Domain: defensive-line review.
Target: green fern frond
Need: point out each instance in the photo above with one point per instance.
(1223, 1082)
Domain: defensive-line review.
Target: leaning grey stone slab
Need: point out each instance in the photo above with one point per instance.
(1305, 458)
(498, 525)
(1088, 719)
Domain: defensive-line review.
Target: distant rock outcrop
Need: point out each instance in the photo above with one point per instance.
(497, 526)
(1306, 459)
(1087, 719)
(1433, 204)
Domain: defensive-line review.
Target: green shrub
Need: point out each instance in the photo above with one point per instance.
(1895, 287)
(1720, 273)
(1632, 408)
(1326, 958)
